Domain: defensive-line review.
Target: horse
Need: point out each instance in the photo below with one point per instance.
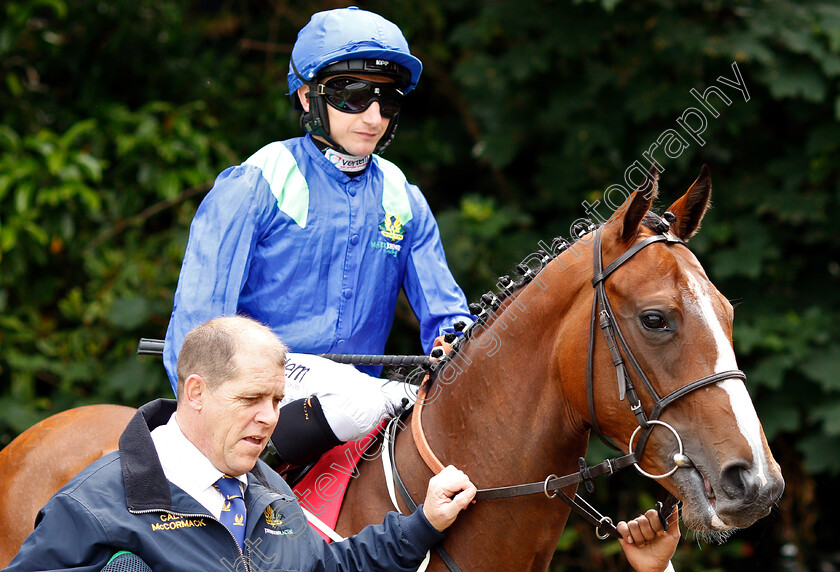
(515, 406)
(47, 455)
(516, 399)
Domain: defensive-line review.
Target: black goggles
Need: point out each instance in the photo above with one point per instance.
(354, 95)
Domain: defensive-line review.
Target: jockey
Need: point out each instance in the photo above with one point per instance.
(315, 237)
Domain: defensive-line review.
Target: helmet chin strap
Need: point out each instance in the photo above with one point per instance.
(318, 126)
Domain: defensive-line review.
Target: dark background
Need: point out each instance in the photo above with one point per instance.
(115, 117)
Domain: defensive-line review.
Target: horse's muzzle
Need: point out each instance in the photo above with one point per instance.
(738, 496)
(744, 493)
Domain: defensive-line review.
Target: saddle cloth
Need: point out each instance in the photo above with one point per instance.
(321, 491)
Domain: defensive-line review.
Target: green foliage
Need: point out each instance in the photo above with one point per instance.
(115, 118)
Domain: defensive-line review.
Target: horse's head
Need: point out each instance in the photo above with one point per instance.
(672, 321)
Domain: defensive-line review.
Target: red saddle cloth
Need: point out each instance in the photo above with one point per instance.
(321, 491)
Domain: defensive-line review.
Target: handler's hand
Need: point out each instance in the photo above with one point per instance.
(449, 492)
(645, 542)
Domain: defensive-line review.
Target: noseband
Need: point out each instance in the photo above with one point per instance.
(621, 353)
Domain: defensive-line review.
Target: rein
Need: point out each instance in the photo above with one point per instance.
(551, 486)
(154, 347)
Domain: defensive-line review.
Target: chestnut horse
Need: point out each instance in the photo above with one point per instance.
(511, 405)
(47, 455)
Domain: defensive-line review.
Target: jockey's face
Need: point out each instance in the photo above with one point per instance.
(357, 133)
(239, 415)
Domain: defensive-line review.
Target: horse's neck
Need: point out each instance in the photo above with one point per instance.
(508, 418)
(507, 407)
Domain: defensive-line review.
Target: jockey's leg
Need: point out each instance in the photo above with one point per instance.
(302, 433)
(328, 403)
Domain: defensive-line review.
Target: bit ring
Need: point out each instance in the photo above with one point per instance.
(679, 455)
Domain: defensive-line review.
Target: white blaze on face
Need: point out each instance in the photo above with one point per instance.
(739, 398)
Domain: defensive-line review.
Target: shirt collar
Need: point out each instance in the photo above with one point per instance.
(183, 464)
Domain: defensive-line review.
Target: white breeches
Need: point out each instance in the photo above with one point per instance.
(353, 402)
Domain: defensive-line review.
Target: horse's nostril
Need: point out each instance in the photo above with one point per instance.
(737, 480)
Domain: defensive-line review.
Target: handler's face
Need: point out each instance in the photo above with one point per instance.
(241, 413)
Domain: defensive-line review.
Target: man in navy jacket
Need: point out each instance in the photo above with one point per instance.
(156, 497)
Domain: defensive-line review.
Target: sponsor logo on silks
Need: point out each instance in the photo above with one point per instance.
(391, 227)
(392, 249)
(275, 521)
(175, 522)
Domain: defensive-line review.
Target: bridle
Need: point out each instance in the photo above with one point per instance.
(621, 353)
(612, 333)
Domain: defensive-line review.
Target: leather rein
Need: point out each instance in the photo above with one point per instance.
(552, 486)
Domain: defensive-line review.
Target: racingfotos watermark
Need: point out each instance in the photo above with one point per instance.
(671, 143)
(258, 560)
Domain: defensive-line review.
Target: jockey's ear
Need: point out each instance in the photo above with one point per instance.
(635, 208)
(304, 101)
(689, 209)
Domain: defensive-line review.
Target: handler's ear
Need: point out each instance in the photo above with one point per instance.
(195, 392)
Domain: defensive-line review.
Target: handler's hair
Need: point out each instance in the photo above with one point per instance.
(210, 350)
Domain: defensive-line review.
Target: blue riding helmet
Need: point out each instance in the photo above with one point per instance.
(348, 34)
(353, 41)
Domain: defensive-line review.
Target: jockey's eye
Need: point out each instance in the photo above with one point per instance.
(654, 321)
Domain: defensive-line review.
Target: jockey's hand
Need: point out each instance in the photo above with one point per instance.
(440, 348)
(440, 342)
(398, 396)
(646, 544)
(449, 492)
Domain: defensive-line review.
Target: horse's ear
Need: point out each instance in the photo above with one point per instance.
(638, 204)
(689, 209)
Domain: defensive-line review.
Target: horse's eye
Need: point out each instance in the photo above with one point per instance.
(654, 321)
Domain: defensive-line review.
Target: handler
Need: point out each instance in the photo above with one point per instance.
(316, 236)
(186, 491)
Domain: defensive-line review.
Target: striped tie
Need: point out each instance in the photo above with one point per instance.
(233, 511)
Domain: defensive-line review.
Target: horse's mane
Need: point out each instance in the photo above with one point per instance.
(491, 301)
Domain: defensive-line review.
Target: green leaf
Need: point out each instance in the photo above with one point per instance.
(129, 313)
(771, 371)
(829, 415)
(777, 416)
(824, 367)
(821, 452)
